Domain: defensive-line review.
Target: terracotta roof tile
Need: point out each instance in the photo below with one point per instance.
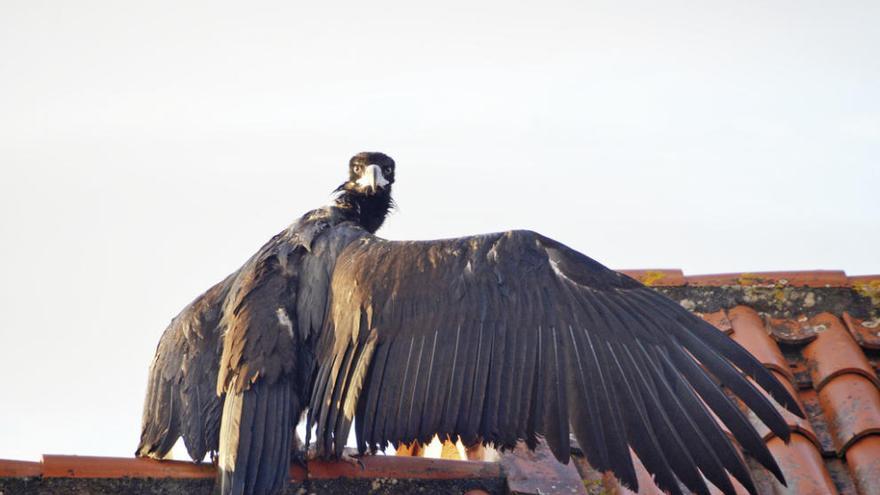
(865, 331)
(740, 490)
(19, 469)
(657, 277)
(792, 331)
(539, 472)
(835, 352)
(646, 481)
(840, 475)
(805, 472)
(749, 331)
(719, 320)
(814, 278)
(74, 466)
(809, 399)
(863, 459)
(795, 423)
(852, 404)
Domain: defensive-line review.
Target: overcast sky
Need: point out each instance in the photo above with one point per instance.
(148, 148)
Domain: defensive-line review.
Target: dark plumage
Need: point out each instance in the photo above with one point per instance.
(494, 338)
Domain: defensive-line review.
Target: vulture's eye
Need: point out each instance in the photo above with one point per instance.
(357, 169)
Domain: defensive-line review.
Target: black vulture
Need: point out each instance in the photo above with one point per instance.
(495, 338)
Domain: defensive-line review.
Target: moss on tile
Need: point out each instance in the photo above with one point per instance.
(778, 301)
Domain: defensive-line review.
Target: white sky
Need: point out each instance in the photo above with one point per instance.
(148, 148)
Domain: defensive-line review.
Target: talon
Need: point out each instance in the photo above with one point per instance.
(304, 456)
(352, 458)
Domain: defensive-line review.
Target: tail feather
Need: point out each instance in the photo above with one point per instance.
(255, 439)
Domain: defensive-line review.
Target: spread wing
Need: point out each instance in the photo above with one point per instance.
(513, 336)
(181, 393)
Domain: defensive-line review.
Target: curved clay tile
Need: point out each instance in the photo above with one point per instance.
(794, 422)
(863, 460)
(749, 331)
(792, 331)
(852, 406)
(719, 320)
(835, 352)
(805, 472)
(866, 332)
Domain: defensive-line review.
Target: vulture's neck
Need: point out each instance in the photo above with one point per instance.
(368, 211)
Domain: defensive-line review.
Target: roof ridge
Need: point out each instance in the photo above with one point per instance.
(670, 277)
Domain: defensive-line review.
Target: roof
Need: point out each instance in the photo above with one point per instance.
(818, 331)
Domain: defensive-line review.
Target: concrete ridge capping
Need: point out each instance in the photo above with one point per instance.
(74, 466)
(674, 277)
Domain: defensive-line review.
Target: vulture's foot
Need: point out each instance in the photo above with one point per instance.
(353, 457)
(302, 456)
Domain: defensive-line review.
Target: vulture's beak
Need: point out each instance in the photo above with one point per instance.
(372, 179)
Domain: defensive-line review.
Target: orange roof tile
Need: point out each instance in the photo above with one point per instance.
(719, 320)
(795, 422)
(825, 352)
(865, 331)
(750, 332)
(835, 352)
(803, 467)
(75, 466)
(657, 277)
(814, 278)
(792, 331)
(852, 404)
(19, 469)
(863, 458)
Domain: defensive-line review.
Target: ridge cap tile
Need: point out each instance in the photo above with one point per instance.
(873, 277)
(77, 466)
(19, 469)
(74, 466)
(802, 278)
(656, 277)
(835, 352)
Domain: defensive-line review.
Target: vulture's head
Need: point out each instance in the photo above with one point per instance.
(370, 173)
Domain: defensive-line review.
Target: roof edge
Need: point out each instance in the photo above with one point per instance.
(674, 277)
